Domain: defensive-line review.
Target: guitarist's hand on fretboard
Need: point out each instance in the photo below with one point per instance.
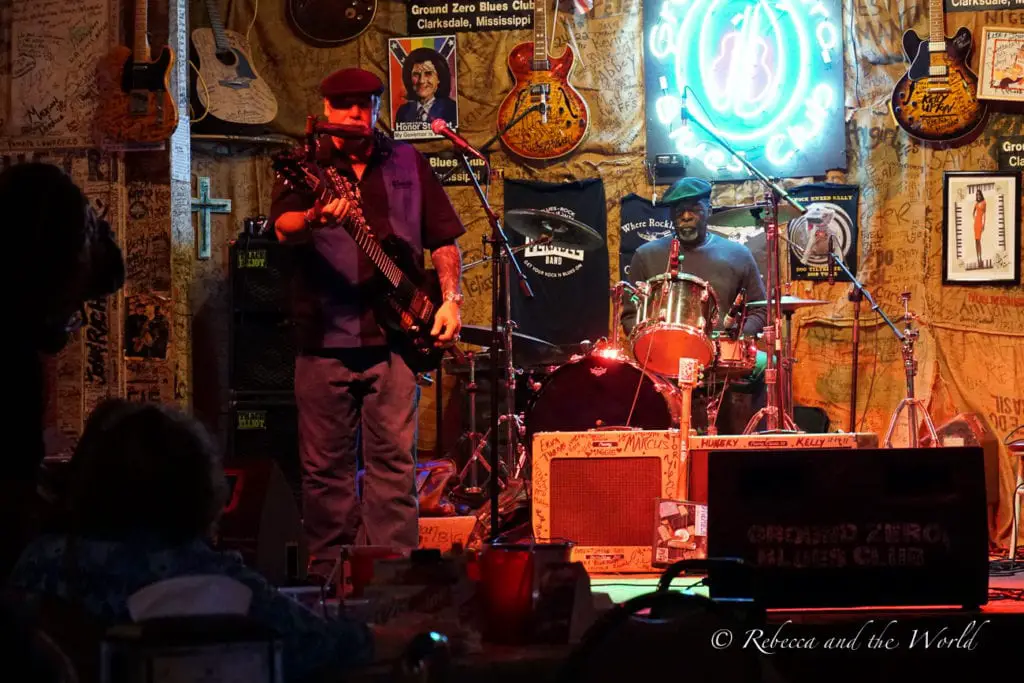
(332, 212)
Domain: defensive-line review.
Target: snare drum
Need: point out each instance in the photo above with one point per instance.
(675, 318)
(601, 391)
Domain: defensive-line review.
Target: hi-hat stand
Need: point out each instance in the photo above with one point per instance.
(776, 411)
(907, 340)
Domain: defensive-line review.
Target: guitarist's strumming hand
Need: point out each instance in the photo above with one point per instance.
(447, 324)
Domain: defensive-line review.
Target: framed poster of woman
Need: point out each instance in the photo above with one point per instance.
(981, 228)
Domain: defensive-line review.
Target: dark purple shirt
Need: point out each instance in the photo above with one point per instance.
(332, 290)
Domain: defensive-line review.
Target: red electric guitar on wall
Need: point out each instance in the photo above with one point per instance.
(560, 123)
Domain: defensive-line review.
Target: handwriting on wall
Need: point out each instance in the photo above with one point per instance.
(97, 340)
(55, 45)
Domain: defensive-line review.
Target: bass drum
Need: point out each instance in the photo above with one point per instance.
(602, 390)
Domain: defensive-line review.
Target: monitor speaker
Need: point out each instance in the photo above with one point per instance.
(852, 528)
(261, 521)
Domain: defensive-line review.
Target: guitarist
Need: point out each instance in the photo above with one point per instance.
(349, 380)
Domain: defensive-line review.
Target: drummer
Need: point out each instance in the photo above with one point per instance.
(727, 266)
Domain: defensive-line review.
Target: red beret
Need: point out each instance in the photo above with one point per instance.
(351, 82)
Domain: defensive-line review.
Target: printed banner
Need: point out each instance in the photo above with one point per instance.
(449, 169)
(1011, 153)
(982, 5)
(640, 222)
(430, 16)
(570, 286)
(423, 85)
(831, 212)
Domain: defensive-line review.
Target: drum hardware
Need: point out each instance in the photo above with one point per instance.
(503, 260)
(778, 419)
(529, 350)
(477, 442)
(559, 231)
(911, 403)
(515, 250)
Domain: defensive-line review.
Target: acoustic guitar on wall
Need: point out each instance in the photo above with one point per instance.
(936, 100)
(228, 87)
(560, 122)
(135, 100)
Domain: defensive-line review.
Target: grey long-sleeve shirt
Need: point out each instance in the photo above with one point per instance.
(726, 265)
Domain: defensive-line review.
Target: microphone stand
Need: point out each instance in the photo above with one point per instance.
(540, 106)
(907, 339)
(502, 258)
(856, 296)
(775, 409)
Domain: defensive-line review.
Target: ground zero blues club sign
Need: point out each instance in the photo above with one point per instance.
(767, 77)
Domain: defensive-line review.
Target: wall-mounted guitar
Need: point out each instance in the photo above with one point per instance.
(329, 23)
(135, 101)
(936, 100)
(228, 87)
(559, 127)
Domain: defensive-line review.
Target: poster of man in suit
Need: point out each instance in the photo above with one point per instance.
(423, 85)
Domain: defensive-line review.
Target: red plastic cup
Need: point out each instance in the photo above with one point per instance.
(506, 592)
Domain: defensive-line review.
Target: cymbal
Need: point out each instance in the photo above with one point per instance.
(524, 347)
(563, 232)
(749, 215)
(792, 303)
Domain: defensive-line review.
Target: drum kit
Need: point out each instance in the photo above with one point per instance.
(631, 383)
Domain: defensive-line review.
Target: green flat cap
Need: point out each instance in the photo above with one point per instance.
(687, 189)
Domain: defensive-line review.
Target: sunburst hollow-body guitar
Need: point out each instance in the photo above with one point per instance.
(554, 116)
(135, 100)
(936, 100)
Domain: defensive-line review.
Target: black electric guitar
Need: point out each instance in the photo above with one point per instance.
(409, 297)
(936, 100)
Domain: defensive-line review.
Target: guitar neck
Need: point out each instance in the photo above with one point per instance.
(140, 43)
(540, 36)
(936, 22)
(219, 38)
(355, 226)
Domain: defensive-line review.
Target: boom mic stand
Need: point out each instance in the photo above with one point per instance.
(775, 409)
(540, 106)
(907, 339)
(502, 260)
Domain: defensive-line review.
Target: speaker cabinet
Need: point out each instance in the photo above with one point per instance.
(598, 490)
(852, 527)
(267, 429)
(260, 273)
(261, 520)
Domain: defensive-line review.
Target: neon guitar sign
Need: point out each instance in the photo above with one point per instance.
(768, 78)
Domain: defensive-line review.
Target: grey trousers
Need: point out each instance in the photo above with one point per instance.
(352, 403)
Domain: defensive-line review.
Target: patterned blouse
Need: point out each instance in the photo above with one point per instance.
(110, 572)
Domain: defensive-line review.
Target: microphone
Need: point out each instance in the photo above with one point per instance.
(440, 127)
(673, 258)
(737, 307)
(342, 130)
(831, 262)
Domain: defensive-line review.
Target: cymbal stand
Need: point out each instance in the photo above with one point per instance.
(778, 419)
(911, 402)
(502, 261)
(907, 339)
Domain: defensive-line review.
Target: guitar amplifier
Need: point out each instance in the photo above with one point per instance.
(701, 448)
(598, 489)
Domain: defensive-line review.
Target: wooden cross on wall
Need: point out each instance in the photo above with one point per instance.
(206, 206)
